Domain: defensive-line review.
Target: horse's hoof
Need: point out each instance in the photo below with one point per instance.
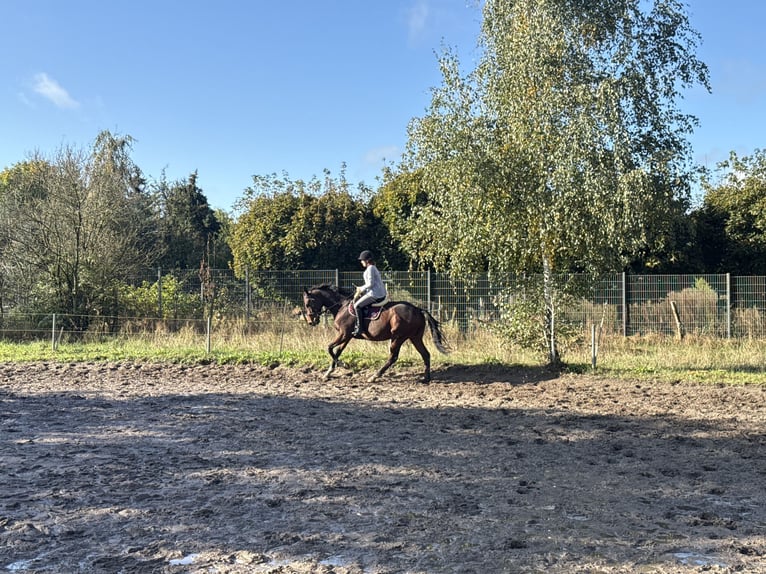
(372, 379)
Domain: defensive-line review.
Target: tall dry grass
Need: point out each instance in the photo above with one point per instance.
(291, 341)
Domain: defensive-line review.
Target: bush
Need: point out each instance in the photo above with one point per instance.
(143, 301)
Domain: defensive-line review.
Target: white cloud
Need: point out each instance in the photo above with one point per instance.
(51, 90)
(25, 100)
(417, 18)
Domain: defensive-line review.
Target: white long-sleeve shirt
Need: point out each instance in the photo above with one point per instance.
(373, 283)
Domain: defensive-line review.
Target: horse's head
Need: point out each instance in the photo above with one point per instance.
(312, 306)
(321, 297)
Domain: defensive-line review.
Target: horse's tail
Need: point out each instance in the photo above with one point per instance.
(436, 332)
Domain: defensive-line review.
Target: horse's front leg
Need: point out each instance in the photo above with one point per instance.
(335, 349)
(333, 360)
(340, 349)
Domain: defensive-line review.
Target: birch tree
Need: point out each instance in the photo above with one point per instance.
(564, 145)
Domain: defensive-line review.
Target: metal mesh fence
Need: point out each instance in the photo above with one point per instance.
(748, 315)
(708, 305)
(657, 303)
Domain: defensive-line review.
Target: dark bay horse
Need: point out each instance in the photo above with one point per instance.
(398, 322)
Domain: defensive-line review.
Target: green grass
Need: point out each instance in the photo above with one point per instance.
(644, 358)
(694, 359)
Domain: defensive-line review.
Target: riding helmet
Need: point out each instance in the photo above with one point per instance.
(365, 256)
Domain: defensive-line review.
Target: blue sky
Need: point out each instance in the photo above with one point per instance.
(235, 88)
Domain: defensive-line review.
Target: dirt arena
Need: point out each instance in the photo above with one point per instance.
(137, 468)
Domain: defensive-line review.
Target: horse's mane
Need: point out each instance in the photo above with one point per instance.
(343, 292)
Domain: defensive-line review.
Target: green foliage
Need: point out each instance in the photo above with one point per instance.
(188, 226)
(701, 284)
(525, 320)
(731, 223)
(564, 146)
(521, 322)
(564, 149)
(75, 224)
(143, 300)
(287, 224)
(396, 204)
(218, 248)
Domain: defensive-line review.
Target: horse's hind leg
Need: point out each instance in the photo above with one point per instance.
(395, 347)
(423, 350)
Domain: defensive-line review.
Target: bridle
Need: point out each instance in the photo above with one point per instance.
(312, 314)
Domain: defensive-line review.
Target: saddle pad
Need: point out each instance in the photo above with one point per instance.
(370, 312)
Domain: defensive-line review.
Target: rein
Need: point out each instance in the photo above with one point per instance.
(339, 304)
(333, 307)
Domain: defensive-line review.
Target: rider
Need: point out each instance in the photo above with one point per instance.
(373, 290)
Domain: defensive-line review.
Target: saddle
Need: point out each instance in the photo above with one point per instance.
(371, 311)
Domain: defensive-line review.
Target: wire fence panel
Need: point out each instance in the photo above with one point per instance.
(598, 301)
(748, 313)
(657, 303)
(707, 305)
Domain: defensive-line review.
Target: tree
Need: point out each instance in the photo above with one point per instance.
(258, 234)
(188, 225)
(76, 224)
(731, 222)
(320, 224)
(20, 184)
(221, 257)
(396, 203)
(564, 146)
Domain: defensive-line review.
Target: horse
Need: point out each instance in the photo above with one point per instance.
(398, 322)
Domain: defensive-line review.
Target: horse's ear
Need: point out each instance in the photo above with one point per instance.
(305, 291)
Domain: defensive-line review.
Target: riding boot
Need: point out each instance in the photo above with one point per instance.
(357, 332)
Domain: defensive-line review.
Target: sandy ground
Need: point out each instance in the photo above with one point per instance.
(149, 468)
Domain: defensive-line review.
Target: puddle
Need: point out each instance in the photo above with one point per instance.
(185, 561)
(334, 561)
(271, 565)
(696, 559)
(19, 566)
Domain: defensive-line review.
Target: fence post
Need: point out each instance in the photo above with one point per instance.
(728, 305)
(53, 334)
(337, 278)
(209, 329)
(159, 291)
(247, 293)
(625, 304)
(428, 289)
(593, 346)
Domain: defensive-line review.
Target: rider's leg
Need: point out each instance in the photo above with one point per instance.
(359, 306)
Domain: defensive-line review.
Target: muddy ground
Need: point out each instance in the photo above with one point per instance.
(148, 468)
